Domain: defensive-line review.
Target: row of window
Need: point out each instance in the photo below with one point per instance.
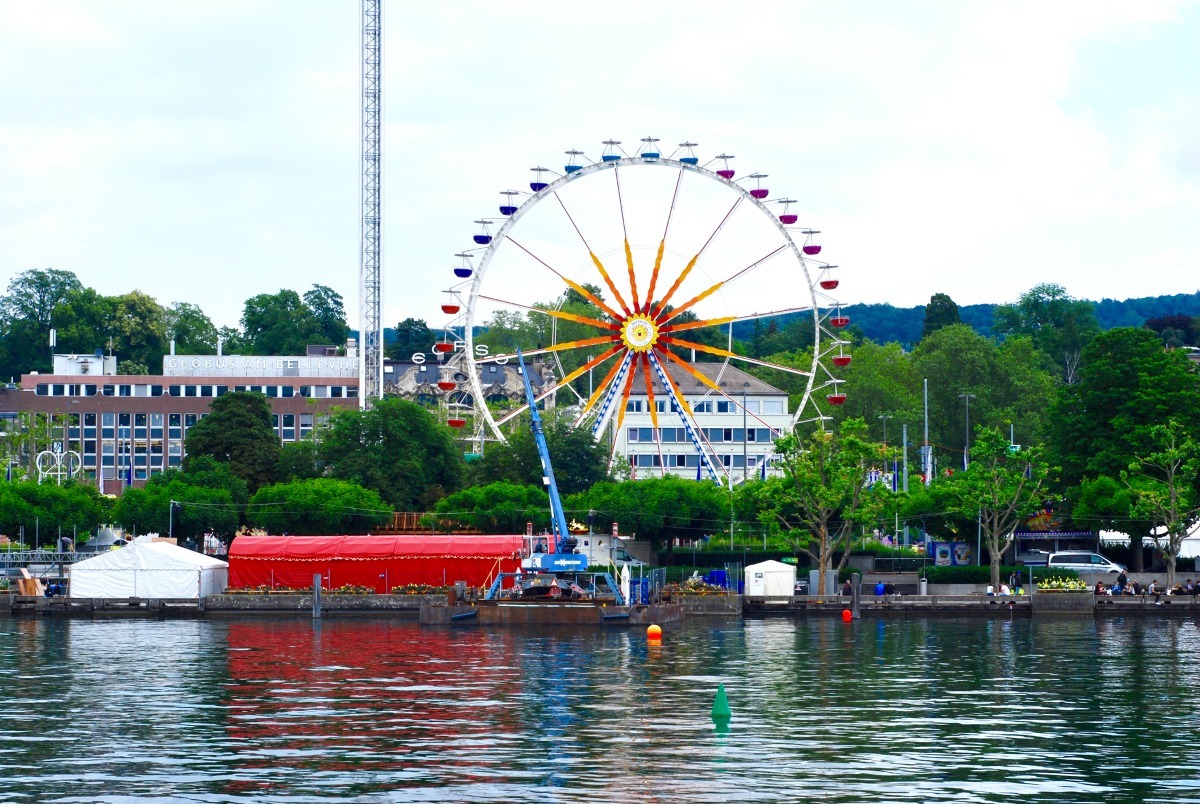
(692, 461)
(715, 435)
(271, 391)
(765, 406)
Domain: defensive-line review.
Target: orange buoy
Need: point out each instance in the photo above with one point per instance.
(846, 615)
(654, 632)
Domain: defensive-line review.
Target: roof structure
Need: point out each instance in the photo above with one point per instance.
(731, 379)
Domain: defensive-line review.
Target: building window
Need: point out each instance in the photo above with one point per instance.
(633, 406)
(287, 391)
(43, 389)
(773, 406)
(753, 406)
(156, 390)
(124, 390)
(725, 406)
(633, 434)
(272, 391)
(705, 406)
(206, 390)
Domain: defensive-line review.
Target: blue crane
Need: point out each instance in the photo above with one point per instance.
(562, 558)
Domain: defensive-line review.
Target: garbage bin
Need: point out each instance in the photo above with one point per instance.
(923, 586)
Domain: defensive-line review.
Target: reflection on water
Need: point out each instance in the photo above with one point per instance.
(381, 710)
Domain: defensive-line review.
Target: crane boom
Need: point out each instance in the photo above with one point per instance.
(563, 557)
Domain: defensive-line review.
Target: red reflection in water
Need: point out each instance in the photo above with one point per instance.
(317, 696)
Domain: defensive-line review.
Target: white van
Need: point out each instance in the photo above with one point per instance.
(1083, 562)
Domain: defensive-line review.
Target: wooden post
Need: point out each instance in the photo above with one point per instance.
(317, 596)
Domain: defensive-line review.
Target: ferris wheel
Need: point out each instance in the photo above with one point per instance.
(641, 273)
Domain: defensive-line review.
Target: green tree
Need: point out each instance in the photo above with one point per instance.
(413, 336)
(499, 507)
(237, 432)
(317, 506)
(46, 510)
(824, 492)
(1127, 385)
(27, 316)
(279, 324)
(1003, 488)
(192, 330)
(1059, 325)
(329, 314)
(1164, 477)
(658, 510)
(198, 508)
(396, 448)
(299, 460)
(940, 312)
(579, 460)
(139, 330)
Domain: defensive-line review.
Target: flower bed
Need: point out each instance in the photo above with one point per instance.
(1057, 584)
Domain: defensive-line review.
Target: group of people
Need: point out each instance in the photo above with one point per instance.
(1124, 586)
(1013, 587)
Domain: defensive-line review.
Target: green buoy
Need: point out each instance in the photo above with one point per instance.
(720, 707)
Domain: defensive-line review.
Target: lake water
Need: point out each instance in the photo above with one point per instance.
(383, 710)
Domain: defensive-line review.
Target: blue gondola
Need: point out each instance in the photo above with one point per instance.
(689, 156)
(611, 153)
(463, 273)
(507, 210)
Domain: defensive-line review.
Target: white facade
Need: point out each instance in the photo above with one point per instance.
(739, 436)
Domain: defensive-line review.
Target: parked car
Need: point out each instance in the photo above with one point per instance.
(1083, 562)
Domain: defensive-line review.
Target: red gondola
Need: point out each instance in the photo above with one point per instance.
(836, 399)
(839, 321)
(829, 284)
(450, 309)
(456, 423)
(447, 385)
(443, 347)
(841, 361)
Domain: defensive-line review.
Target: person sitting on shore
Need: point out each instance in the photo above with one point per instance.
(847, 589)
(1189, 588)
(1100, 590)
(991, 590)
(1134, 588)
(1154, 589)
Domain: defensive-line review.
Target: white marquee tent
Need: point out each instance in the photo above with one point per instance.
(158, 570)
(770, 579)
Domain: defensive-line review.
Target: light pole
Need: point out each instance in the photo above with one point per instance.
(967, 440)
(884, 417)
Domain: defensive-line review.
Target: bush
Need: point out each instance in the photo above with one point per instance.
(983, 574)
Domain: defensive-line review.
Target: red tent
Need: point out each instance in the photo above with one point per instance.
(378, 562)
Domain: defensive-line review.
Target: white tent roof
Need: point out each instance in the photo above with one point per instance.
(771, 566)
(156, 555)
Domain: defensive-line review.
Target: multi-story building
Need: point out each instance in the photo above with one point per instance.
(739, 431)
(126, 428)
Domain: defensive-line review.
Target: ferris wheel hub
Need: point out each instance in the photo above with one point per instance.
(639, 333)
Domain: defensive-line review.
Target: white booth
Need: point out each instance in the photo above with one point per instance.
(770, 579)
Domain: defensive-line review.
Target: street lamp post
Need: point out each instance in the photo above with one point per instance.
(884, 417)
(967, 439)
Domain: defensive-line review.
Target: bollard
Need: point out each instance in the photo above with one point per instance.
(317, 596)
(856, 587)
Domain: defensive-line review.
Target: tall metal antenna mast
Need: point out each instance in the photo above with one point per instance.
(370, 276)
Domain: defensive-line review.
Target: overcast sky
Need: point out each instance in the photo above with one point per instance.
(209, 151)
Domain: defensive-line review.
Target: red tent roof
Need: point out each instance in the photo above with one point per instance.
(363, 548)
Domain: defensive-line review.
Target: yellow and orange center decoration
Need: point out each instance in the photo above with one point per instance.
(639, 333)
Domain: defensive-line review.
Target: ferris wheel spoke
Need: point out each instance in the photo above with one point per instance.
(662, 245)
(699, 347)
(710, 322)
(608, 281)
(591, 364)
(692, 263)
(713, 289)
(602, 387)
(596, 260)
(621, 406)
(776, 366)
(592, 322)
(633, 288)
(575, 286)
(579, 344)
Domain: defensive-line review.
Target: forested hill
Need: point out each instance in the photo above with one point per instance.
(884, 323)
